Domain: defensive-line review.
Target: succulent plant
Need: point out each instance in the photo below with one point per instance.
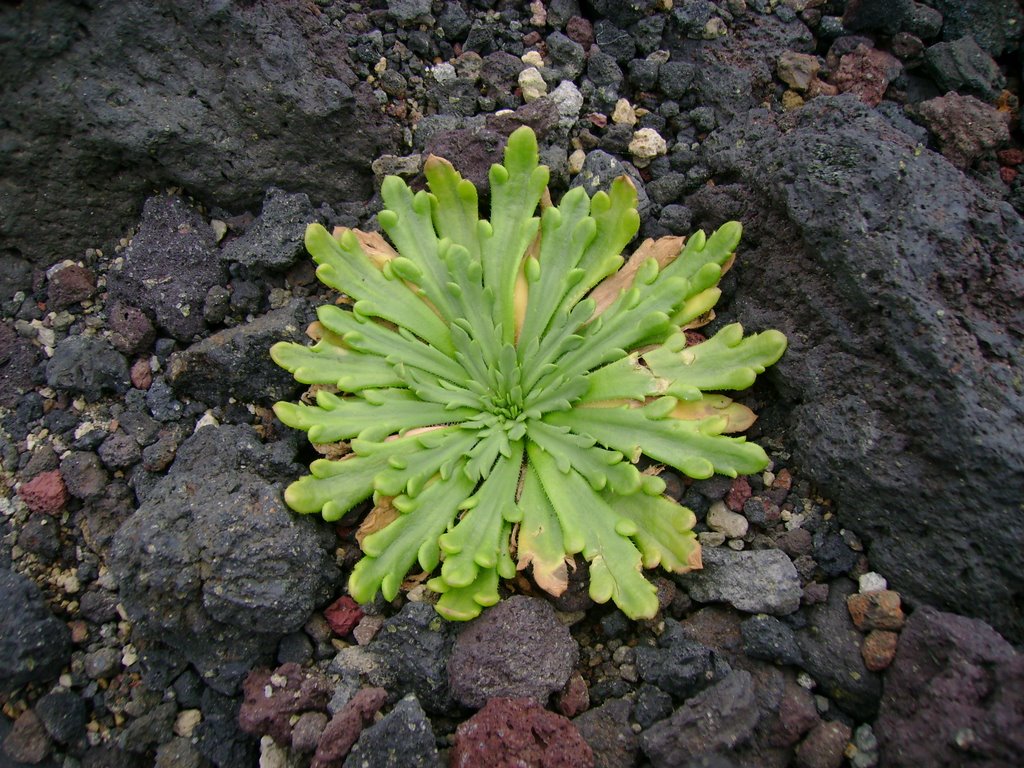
(492, 386)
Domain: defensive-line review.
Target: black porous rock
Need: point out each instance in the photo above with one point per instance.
(608, 732)
(767, 638)
(275, 240)
(885, 16)
(213, 564)
(830, 650)
(169, 266)
(902, 283)
(995, 24)
(63, 715)
(88, 366)
(223, 100)
(682, 668)
(236, 362)
(34, 644)
(720, 718)
(516, 649)
(402, 738)
(953, 696)
(409, 655)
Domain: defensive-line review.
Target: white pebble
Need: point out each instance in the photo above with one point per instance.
(724, 520)
(532, 84)
(872, 582)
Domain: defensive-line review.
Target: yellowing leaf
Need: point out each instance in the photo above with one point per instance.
(664, 250)
(738, 416)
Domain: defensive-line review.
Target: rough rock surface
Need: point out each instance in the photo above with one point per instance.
(830, 650)
(34, 644)
(18, 359)
(213, 564)
(761, 581)
(902, 273)
(403, 738)
(88, 366)
(172, 97)
(236, 362)
(169, 266)
(721, 717)
(516, 649)
(519, 732)
(409, 654)
(953, 697)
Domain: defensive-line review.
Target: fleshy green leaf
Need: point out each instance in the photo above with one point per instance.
(500, 379)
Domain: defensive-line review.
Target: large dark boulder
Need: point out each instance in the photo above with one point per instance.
(213, 564)
(900, 284)
(105, 101)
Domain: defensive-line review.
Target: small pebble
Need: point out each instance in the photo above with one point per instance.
(720, 518)
(872, 582)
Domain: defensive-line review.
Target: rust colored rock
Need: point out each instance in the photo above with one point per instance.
(876, 610)
(866, 73)
(131, 330)
(344, 729)
(574, 698)
(965, 128)
(273, 697)
(343, 615)
(141, 374)
(70, 285)
(738, 494)
(824, 746)
(519, 732)
(879, 649)
(581, 31)
(45, 493)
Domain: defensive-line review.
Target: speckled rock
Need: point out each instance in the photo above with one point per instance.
(169, 266)
(402, 739)
(608, 731)
(70, 285)
(830, 647)
(519, 731)
(275, 240)
(89, 366)
(235, 362)
(516, 649)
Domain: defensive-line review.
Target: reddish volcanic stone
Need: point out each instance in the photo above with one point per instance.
(876, 610)
(519, 732)
(879, 649)
(45, 493)
(343, 615)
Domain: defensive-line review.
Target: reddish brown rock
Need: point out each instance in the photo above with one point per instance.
(131, 330)
(272, 698)
(965, 128)
(738, 494)
(27, 741)
(344, 729)
(574, 698)
(45, 493)
(70, 285)
(879, 649)
(581, 31)
(343, 615)
(876, 610)
(824, 746)
(519, 732)
(141, 374)
(866, 73)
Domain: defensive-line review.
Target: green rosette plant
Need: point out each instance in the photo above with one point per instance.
(493, 384)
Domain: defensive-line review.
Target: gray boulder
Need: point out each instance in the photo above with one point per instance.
(899, 283)
(214, 565)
